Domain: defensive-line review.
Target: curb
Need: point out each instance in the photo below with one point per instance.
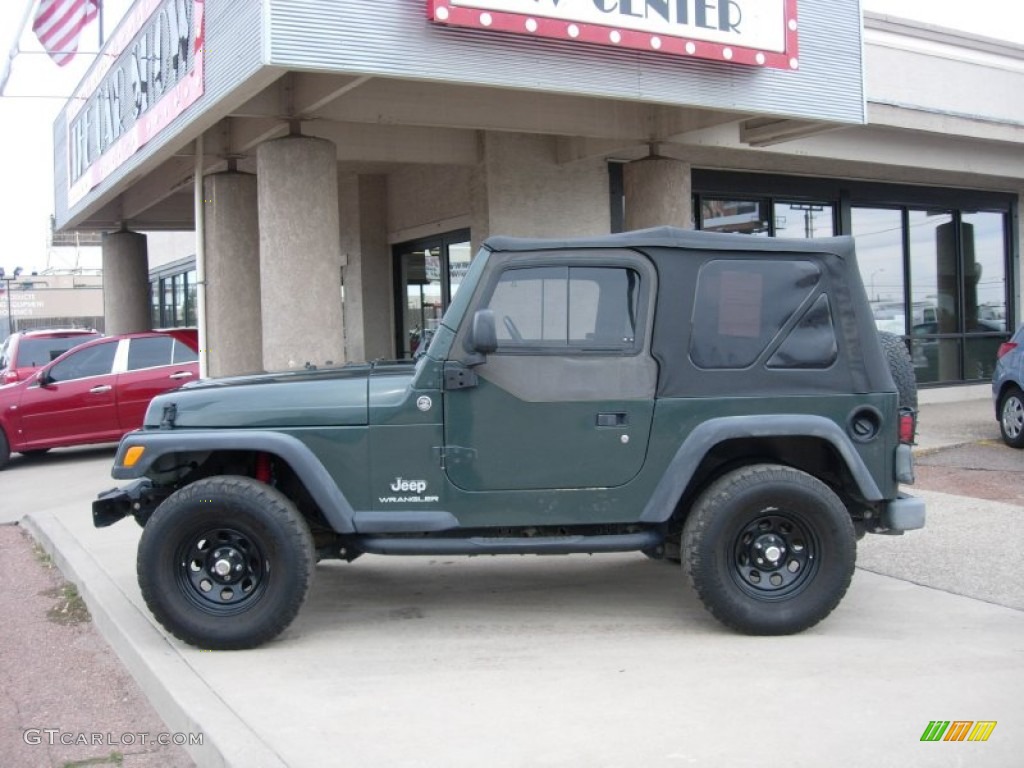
(935, 447)
(177, 692)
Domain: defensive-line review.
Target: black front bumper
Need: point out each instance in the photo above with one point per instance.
(118, 503)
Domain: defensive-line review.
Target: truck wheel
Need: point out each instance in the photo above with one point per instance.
(901, 367)
(225, 563)
(1011, 417)
(769, 550)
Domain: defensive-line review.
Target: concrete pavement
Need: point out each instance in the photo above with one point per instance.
(943, 422)
(606, 661)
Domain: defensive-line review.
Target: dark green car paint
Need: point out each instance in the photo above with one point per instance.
(388, 447)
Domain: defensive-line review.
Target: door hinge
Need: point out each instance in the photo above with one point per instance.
(458, 376)
(169, 416)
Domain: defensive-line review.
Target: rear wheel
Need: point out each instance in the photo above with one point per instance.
(1011, 417)
(225, 563)
(769, 549)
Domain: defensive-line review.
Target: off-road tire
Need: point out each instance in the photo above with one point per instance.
(788, 513)
(240, 525)
(902, 368)
(1011, 417)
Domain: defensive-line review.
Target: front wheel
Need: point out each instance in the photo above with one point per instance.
(1011, 418)
(225, 563)
(770, 550)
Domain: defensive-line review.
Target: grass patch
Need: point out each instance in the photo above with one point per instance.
(42, 556)
(114, 758)
(70, 608)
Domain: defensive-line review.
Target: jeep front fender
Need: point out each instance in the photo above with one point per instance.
(688, 457)
(310, 471)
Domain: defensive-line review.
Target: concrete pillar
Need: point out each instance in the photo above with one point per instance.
(234, 329)
(126, 307)
(368, 285)
(529, 193)
(479, 201)
(658, 193)
(300, 253)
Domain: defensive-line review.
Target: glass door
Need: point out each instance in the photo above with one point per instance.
(428, 274)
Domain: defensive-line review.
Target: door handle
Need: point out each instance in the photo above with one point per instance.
(612, 419)
(99, 390)
(181, 375)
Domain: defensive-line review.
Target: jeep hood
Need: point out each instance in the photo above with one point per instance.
(316, 398)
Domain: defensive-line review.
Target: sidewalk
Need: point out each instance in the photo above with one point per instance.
(942, 423)
(579, 660)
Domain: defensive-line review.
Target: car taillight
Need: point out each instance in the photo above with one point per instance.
(908, 425)
(1005, 348)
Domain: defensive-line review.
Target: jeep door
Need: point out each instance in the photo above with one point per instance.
(567, 398)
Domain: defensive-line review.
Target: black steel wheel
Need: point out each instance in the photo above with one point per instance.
(225, 563)
(221, 569)
(1011, 417)
(770, 550)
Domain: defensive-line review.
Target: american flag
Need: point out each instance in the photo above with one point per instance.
(58, 24)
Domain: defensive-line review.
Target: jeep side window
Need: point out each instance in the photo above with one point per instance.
(561, 308)
(742, 305)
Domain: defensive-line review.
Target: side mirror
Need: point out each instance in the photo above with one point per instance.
(484, 335)
(44, 378)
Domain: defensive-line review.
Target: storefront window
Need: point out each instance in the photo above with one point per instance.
(459, 257)
(983, 243)
(167, 310)
(984, 247)
(935, 295)
(804, 220)
(748, 217)
(427, 274)
(420, 272)
(178, 316)
(879, 236)
(173, 297)
(191, 315)
(154, 303)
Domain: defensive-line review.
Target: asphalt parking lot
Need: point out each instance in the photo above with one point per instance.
(606, 661)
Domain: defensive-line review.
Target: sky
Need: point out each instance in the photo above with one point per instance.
(38, 88)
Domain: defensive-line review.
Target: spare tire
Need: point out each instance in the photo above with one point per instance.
(901, 367)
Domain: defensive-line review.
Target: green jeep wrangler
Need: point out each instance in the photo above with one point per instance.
(720, 400)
